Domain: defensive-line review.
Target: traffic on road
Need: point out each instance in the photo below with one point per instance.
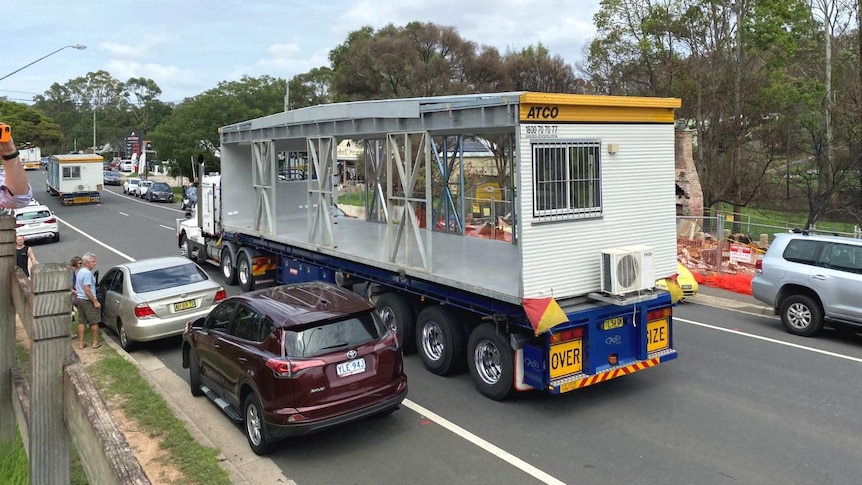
(746, 402)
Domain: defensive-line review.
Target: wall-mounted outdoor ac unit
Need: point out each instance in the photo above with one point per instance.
(627, 269)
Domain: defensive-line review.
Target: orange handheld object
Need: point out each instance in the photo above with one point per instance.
(5, 133)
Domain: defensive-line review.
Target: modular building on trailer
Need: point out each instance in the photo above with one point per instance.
(76, 178)
(551, 287)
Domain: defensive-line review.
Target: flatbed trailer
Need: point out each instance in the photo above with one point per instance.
(556, 294)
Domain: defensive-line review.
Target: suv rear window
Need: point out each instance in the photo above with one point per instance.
(341, 334)
(802, 251)
(161, 186)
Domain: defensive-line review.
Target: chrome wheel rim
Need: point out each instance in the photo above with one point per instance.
(799, 316)
(388, 317)
(432, 341)
(253, 424)
(486, 359)
(184, 249)
(243, 272)
(124, 339)
(226, 265)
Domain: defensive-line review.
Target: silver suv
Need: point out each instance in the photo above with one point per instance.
(810, 280)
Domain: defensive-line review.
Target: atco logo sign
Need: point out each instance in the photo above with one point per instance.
(543, 113)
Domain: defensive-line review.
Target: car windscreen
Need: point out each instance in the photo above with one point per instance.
(29, 216)
(161, 186)
(333, 335)
(171, 277)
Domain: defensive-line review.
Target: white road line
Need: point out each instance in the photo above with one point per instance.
(439, 420)
(124, 214)
(771, 340)
(100, 243)
(494, 450)
(168, 227)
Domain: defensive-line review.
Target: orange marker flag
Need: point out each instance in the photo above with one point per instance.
(543, 313)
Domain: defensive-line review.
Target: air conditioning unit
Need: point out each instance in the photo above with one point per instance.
(627, 269)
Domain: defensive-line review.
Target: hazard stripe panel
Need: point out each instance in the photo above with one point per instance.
(611, 374)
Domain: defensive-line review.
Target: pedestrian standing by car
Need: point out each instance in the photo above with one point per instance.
(15, 191)
(89, 308)
(24, 256)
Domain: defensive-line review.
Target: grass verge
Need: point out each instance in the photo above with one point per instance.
(120, 381)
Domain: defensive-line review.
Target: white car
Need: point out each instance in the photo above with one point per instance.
(130, 185)
(141, 189)
(36, 222)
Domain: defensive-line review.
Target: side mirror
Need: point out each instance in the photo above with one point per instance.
(96, 275)
(199, 323)
(188, 215)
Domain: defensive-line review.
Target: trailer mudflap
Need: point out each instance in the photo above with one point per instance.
(579, 381)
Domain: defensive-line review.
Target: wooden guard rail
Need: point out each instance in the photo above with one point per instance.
(57, 405)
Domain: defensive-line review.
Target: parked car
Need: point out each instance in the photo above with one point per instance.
(127, 166)
(112, 178)
(684, 281)
(160, 192)
(130, 184)
(140, 190)
(295, 359)
(36, 222)
(811, 280)
(151, 299)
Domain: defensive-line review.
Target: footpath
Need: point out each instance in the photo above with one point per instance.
(205, 422)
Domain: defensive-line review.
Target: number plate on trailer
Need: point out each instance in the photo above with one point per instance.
(657, 335)
(81, 200)
(184, 305)
(565, 358)
(612, 323)
(351, 367)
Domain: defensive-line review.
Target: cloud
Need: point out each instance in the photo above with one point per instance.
(282, 51)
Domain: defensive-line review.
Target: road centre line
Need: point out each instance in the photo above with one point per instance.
(771, 340)
(481, 443)
(123, 214)
(439, 420)
(168, 227)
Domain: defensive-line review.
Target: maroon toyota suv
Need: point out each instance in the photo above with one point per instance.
(294, 359)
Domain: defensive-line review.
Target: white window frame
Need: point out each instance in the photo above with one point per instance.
(69, 172)
(561, 171)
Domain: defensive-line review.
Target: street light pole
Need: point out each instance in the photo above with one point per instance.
(76, 46)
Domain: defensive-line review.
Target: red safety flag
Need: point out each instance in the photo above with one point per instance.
(543, 313)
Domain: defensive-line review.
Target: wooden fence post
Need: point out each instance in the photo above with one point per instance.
(47, 323)
(7, 328)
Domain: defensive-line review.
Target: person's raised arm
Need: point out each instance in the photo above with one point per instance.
(16, 179)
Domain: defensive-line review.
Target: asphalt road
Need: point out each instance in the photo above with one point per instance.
(744, 403)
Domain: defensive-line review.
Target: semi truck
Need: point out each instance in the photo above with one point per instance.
(556, 292)
(76, 178)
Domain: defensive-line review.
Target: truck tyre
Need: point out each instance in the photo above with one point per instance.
(255, 426)
(801, 315)
(185, 247)
(244, 272)
(228, 271)
(194, 375)
(441, 340)
(491, 362)
(397, 311)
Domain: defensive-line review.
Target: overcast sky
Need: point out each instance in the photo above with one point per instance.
(189, 46)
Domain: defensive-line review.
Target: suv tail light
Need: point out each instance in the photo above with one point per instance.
(292, 368)
(52, 220)
(142, 310)
(19, 224)
(220, 295)
(758, 266)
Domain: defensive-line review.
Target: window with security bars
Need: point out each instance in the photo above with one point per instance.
(71, 173)
(567, 180)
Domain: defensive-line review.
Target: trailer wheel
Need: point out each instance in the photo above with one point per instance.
(244, 272)
(397, 312)
(491, 362)
(441, 340)
(228, 271)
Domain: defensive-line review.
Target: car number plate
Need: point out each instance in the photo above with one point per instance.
(657, 335)
(351, 367)
(565, 358)
(81, 200)
(184, 305)
(686, 287)
(612, 323)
